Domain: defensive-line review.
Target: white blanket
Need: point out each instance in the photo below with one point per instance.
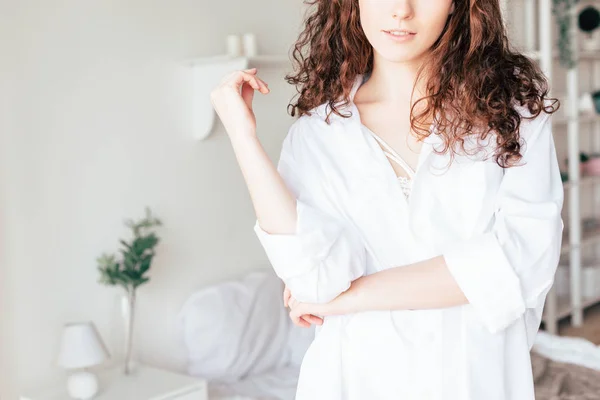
(239, 336)
(574, 350)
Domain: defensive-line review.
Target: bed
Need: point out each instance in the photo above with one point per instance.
(238, 336)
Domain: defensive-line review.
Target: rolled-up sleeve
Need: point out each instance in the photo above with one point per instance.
(325, 254)
(511, 268)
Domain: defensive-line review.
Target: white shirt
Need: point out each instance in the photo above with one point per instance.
(499, 231)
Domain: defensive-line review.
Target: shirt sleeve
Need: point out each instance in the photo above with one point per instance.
(325, 254)
(511, 268)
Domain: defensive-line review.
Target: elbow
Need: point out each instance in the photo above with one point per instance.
(318, 287)
(326, 278)
(487, 276)
(319, 261)
(322, 276)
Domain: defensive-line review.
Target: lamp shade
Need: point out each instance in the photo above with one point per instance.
(81, 346)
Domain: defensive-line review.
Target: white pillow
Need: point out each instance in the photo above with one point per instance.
(237, 328)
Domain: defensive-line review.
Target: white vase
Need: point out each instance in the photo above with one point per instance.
(128, 313)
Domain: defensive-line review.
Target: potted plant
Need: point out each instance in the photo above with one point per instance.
(592, 165)
(562, 12)
(130, 269)
(589, 23)
(589, 164)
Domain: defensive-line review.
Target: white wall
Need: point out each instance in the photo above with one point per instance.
(96, 124)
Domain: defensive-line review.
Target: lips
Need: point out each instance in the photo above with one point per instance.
(392, 31)
(399, 38)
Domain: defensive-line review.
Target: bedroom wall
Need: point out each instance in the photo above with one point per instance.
(96, 124)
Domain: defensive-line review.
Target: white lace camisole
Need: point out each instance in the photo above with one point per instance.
(404, 182)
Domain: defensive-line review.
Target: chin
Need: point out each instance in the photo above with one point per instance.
(397, 57)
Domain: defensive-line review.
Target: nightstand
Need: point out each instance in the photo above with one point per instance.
(144, 383)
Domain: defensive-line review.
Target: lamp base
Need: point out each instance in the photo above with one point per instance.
(82, 385)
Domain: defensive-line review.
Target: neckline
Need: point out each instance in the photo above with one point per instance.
(380, 155)
(393, 154)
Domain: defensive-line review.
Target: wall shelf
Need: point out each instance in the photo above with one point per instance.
(265, 60)
(564, 307)
(587, 238)
(583, 55)
(586, 180)
(583, 118)
(207, 73)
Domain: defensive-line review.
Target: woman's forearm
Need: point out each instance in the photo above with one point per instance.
(423, 285)
(274, 205)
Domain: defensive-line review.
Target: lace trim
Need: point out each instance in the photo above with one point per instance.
(405, 185)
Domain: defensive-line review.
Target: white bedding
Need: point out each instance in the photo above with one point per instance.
(574, 350)
(239, 336)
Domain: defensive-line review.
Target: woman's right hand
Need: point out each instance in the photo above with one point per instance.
(233, 106)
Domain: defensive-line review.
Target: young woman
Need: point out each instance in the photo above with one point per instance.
(415, 211)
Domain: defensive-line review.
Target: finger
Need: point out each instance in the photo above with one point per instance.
(252, 70)
(241, 77)
(247, 95)
(262, 82)
(264, 87)
(313, 319)
(265, 84)
(286, 296)
(307, 322)
(256, 82)
(297, 320)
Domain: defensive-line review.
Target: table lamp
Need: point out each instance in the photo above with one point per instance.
(81, 347)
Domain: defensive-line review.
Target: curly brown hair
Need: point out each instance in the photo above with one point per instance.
(478, 82)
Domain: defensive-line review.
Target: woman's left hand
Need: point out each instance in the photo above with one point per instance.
(346, 303)
(304, 314)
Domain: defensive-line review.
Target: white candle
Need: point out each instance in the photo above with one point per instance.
(234, 45)
(250, 48)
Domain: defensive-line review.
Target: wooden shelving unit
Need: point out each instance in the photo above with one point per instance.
(576, 238)
(540, 42)
(564, 307)
(587, 238)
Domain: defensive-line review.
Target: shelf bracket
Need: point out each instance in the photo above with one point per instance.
(206, 76)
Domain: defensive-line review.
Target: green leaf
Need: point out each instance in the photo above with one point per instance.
(136, 255)
(145, 264)
(141, 282)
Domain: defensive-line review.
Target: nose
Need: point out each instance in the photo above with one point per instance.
(402, 10)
